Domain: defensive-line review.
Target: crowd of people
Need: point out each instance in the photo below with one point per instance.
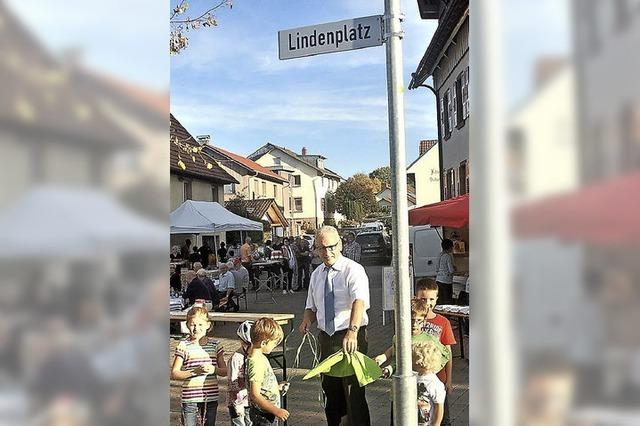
(337, 303)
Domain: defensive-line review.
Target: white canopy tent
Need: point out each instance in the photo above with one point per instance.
(208, 217)
(56, 221)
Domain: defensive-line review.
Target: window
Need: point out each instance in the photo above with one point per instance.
(230, 188)
(320, 163)
(454, 106)
(323, 205)
(297, 204)
(296, 180)
(450, 112)
(465, 93)
(264, 188)
(277, 161)
(450, 184)
(462, 176)
(630, 137)
(255, 189)
(214, 193)
(461, 109)
(275, 191)
(187, 190)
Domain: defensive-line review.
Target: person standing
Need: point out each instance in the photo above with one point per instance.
(185, 250)
(352, 249)
(289, 265)
(205, 251)
(222, 253)
(444, 272)
(338, 300)
(304, 263)
(246, 257)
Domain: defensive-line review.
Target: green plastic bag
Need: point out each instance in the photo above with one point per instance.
(342, 365)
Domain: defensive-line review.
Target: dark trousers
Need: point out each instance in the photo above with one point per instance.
(304, 267)
(445, 293)
(250, 269)
(344, 396)
(288, 284)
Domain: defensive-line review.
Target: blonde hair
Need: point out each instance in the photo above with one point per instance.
(419, 308)
(426, 355)
(266, 330)
(198, 311)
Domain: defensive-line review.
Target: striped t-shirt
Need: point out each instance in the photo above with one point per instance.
(202, 388)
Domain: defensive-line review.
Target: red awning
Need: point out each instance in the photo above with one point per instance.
(603, 213)
(453, 213)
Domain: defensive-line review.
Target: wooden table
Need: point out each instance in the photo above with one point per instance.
(459, 317)
(283, 319)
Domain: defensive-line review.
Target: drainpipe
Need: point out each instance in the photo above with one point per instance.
(440, 162)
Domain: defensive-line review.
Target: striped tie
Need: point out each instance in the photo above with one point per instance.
(329, 308)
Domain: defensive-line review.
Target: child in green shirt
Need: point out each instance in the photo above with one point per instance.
(264, 390)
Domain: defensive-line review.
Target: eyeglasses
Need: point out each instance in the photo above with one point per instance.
(328, 248)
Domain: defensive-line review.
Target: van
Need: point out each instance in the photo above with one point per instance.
(425, 247)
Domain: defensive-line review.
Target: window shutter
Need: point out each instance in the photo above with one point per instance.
(449, 112)
(442, 117)
(454, 105)
(465, 93)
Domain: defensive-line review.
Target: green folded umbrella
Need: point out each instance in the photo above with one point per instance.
(342, 365)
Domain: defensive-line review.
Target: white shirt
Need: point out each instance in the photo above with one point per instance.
(350, 282)
(226, 281)
(432, 391)
(241, 277)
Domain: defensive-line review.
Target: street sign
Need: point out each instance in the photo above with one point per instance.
(331, 37)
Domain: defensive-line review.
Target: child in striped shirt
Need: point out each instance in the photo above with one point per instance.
(198, 360)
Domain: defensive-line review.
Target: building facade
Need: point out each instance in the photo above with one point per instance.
(424, 174)
(193, 175)
(309, 182)
(446, 60)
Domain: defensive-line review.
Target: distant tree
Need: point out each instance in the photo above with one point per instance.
(356, 197)
(383, 174)
(182, 24)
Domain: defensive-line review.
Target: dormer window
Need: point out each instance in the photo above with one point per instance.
(320, 163)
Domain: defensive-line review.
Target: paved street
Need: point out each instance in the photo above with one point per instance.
(303, 397)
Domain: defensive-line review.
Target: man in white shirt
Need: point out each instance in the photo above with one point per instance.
(226, 286)
(337, 300)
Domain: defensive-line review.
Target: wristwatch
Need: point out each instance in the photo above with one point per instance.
(353, 328)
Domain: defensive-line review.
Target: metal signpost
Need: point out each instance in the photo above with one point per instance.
(359, 33)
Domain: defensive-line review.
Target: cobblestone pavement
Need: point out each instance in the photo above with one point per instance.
(303, 398)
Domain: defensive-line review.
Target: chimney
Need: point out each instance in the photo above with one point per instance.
(203, 139)
(426, 145)
(546, 67)
(304, 151)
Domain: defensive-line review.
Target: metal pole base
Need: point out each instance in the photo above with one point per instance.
(405, 408)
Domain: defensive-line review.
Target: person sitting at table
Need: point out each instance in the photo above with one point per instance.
(213, 292)
(195, 289)
(240, 274)
(226, 287)
(175, 281)
(175, 253)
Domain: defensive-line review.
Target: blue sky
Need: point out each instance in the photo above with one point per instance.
(230, 84)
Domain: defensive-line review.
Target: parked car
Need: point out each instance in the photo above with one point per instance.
(374, 246)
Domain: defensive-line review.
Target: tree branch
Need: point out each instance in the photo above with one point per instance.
(186, 21)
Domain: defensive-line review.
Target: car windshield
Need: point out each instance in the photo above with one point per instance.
(370, 239)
